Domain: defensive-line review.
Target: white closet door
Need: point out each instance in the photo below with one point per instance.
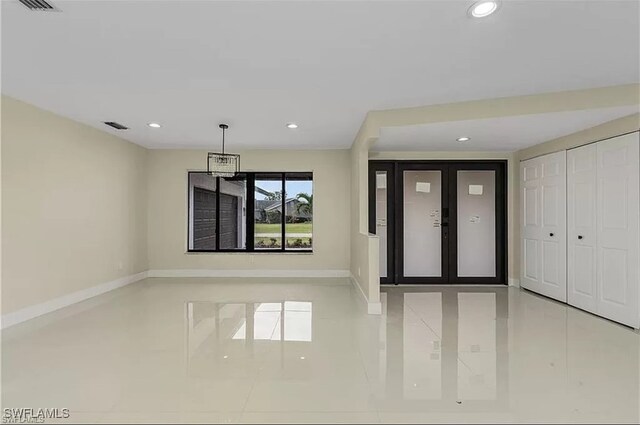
(543, 205)
(553, 246)
(618, 237)
(530, 227)
(581, 228)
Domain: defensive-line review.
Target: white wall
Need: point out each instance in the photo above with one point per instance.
(73, 206)
(167, 211)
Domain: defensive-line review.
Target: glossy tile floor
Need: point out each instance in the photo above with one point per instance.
(239, 350)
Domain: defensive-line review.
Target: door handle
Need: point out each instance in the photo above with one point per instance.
(579, 236)
(551, 234)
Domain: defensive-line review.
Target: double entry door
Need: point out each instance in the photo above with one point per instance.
(439, 221)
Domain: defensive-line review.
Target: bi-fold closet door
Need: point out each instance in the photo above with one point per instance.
(603, 228)
(543, 225)
(580, 217)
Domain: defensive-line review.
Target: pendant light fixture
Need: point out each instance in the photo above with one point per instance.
(223, 164)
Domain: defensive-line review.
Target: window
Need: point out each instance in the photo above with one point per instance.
(255, 212)
(268, 211)
(299, 211)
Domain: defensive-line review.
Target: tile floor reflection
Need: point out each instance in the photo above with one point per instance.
(286, 350)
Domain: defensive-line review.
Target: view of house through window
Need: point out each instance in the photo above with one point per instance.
(268, 211)
(282, 210)
(299, 211)
(233, 199)
(202, 212)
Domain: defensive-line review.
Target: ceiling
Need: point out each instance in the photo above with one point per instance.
(323, 64)
(496, 134)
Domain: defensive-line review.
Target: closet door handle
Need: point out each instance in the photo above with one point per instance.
(551, 234)
(579, 236)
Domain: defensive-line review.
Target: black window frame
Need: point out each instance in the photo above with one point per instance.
(250, 178)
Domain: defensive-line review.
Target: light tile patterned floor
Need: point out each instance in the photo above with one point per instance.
(303, 350)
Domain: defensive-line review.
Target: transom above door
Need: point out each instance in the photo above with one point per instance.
(439, 221)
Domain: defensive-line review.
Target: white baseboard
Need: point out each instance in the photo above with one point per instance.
(37, 310)
(514, 282)
(247, 273)
(372, 308)
(34, 311)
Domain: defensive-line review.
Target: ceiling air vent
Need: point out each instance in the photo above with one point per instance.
(116, 125)
(38, 5)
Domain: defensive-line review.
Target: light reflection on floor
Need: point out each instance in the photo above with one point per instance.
(281, 350)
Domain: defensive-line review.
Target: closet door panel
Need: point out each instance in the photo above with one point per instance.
(581, 228)
(617, 229)
(543, 206)
(530, 224)
(553, 226)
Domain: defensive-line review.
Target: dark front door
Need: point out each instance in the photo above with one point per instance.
(439, 221)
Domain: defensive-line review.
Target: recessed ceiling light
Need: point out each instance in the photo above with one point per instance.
(483, 8)
(154, 125)
(463, 139)
(292, 125)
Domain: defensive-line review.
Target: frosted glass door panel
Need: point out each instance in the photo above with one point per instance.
(476, 223)
(422, 221)
(381, 218)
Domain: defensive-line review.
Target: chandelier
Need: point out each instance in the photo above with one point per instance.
(223, 164)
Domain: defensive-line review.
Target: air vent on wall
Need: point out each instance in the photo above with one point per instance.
(116, 125)
(38, 5)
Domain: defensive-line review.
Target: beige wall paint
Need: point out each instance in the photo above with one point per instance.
(73, 206)
(601, 97)
(572, 100)
(127, 212)
(603, 131)
(167, 209)
(364, 246)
